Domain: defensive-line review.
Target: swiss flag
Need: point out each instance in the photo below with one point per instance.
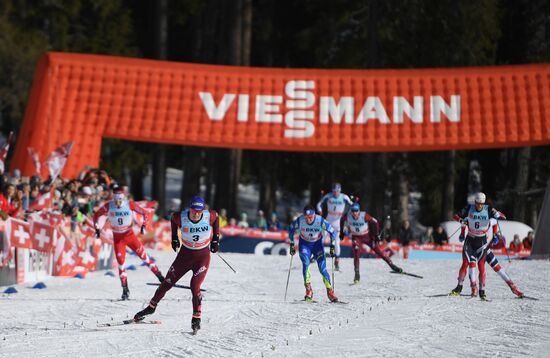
(44, 201)
(64, 257)
(85, 259)
(43, 237)
(19, 233)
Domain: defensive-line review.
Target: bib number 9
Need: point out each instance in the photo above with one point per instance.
(120, 222)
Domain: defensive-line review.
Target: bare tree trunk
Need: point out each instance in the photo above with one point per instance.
(400, 192)
(191, 175)
(449, 185)
(522, 180)
(268, 182)
(137, 183)
(239, 28)
(159, 157)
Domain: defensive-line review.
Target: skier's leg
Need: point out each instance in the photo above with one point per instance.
(491, 258)
(133, 242)
(305, 257)
(200, 268)
(319, 254)
(179, 267)
(120, 255)
(356, 248)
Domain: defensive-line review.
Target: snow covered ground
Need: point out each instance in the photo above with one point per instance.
(244, 314)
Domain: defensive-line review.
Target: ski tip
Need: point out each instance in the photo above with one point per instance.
(528, 298)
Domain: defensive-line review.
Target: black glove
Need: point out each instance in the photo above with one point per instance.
(175, 243)
(142, 230)
(332, 251)
(215, 244)
(97, 233)
(292, 249)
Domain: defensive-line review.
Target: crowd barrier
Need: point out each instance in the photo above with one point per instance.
(46, 246)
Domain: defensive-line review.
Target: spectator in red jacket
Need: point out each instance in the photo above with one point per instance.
(6, 207)
(528, 241)
(515, 245)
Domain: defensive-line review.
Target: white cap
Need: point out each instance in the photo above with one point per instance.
(479, 198)
(87, 190)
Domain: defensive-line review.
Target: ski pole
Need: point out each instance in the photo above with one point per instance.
(453, 234)
(288, 276)
(228, 265)
(505, 248)
(333, 285)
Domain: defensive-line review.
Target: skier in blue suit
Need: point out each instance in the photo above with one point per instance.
(309, 227)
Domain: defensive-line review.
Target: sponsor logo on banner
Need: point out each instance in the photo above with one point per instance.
(299, 108)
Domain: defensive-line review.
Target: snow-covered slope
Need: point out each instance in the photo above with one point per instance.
(244, 314)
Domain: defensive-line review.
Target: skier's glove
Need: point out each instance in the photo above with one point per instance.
(97, 233)
(496, 239)
(332, 251)
(292, 249)
(142, 230)
(215, 244)
(175, 243)
(461, 238)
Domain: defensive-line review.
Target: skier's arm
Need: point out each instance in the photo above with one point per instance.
(494, 213)
(462, 214)
(104, 210)
(321, 202)
(138, 209)
(328, 228)
(175, 223)
(215, 223)
(343, 224)
(292, 231)
(374, 227)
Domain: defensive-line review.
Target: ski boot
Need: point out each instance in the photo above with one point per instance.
(474, 291)
(309, 293)
(331, 296)
(515, 290)
(336, 264)
(195, 324)
(125, 293)
(356, 278)
(482, 295)
(396, 268)
(159, 276)
(456, 291)
(144, 312)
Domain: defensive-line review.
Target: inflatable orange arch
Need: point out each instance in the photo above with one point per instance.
(84, 98)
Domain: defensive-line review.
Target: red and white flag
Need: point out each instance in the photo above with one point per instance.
(64, 257)
(58, 158)
(85, 259)
(43, 237)
(44, 201)
(19, 233)
(4, 151)
(35, 160)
